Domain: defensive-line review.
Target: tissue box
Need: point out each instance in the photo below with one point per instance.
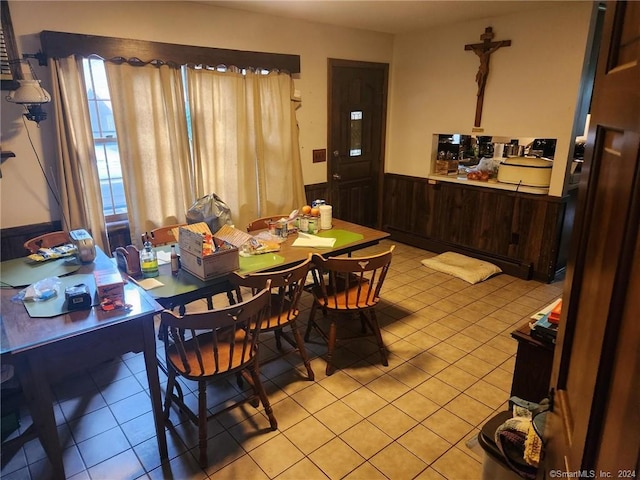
(109, 285)
(224, 260)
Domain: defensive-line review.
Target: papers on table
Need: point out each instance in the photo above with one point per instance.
(148, 283)
(306, 240)
(163, 257)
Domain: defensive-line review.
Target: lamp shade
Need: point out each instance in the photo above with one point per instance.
(29, 92)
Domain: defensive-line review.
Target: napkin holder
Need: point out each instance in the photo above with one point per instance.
(128, 260)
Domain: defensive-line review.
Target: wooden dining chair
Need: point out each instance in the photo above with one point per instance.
(47, 240)
(261, 223)
(164, 235)
(209, 345)
(286, 288)
(348, 287)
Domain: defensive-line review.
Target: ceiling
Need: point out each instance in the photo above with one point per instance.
(387, 16)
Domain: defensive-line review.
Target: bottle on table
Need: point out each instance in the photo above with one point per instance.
(175, 263)
(148, 259)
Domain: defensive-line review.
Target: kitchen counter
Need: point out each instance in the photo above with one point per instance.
(492, 183)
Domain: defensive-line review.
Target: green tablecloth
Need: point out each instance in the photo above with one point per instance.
(343, 237)
(259, 262)
(21, 272)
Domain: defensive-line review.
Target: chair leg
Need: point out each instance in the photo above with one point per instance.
(373, 323)
(331, 344)
(303, 351)
(202, 423)
(171, 382)
(278, 335)
(259, 389)
(310, 323)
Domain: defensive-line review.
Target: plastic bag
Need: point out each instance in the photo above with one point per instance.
(41, 290)
(211, 210)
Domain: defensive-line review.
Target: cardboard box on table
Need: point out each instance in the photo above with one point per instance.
(109, 285)
(225, 259)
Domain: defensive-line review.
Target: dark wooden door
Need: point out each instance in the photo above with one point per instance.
(595, 423)
(357, 121)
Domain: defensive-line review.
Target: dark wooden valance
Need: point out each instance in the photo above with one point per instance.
(60, 45)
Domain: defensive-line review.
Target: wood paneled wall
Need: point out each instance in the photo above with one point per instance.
(523, 233)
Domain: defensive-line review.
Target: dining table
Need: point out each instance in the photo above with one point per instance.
(46, 342)
(176, 291)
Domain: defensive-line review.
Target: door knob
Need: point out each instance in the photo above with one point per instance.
(336, 153)
(337, 176)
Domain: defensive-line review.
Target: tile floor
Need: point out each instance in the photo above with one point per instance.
(450, 368)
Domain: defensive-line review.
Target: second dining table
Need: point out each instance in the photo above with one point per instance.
(178, 290)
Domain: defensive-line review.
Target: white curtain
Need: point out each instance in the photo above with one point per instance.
(245, 141)
(150, 118)
(79, 186)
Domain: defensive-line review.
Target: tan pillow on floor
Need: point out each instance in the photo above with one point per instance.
(468, 269)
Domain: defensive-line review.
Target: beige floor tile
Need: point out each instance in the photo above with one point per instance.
(305, 469)
(364, 401)
(422, 339)
(428, 362)
(397, 462)
(288, 413)
(490, 354)
(366, 471)
(474, 366)
(447, 425)
(336, 458)
(456, 464)
(456, 377)
(340, 384)
(500, 378)
(313, 398)
(488, 394)
(430, 474)
(415, 405)
(309, 435)
(338, 417)
(464, 342)
(469, 409)
(437, 391)
(243, 467)
(366, 439)
(447, 352)
(393, 421)
(276, 455)
(388, 387)
(424, 443)
(409, 374)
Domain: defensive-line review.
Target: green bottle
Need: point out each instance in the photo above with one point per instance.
(148, 260)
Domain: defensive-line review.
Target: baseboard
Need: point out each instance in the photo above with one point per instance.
(507, 265)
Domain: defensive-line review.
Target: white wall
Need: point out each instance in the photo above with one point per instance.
(532, 88)
(23, 190)
(531, 91)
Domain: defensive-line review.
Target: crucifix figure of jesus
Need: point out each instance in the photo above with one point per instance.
(484, 51)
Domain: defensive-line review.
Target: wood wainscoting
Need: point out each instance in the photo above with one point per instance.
(12, 239)
(524, 234)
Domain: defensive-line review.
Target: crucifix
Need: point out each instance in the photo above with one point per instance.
(484, 51)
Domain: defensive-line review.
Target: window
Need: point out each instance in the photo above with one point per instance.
(105, 140)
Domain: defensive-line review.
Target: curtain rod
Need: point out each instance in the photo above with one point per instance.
(62, 44)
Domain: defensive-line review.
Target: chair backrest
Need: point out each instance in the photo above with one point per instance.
(48, 240)
(216, 341)
(286, 288)
(261, 223)
(347, 283)
(164, 235)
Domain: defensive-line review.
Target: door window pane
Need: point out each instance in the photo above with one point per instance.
(355, 134)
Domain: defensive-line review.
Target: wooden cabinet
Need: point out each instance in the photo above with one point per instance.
(524, 234)
(532, 371)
